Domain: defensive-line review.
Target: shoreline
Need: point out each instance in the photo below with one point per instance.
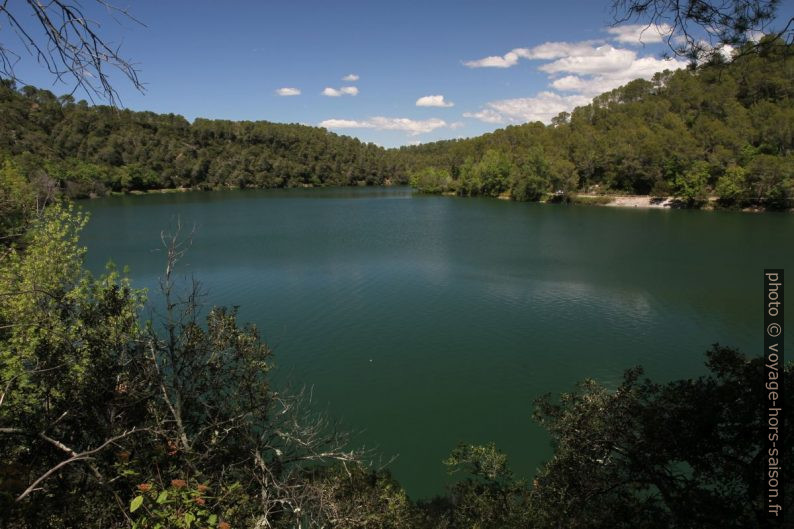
(577, 199)
(640, 201)
(651, 202)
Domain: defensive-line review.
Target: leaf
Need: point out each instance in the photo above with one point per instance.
(189, 518)
(162, 497)
(212, 520)
(136, 503)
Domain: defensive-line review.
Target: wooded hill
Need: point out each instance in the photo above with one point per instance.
(723, 129)
(95, 149)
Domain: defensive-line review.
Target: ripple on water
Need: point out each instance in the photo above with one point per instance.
(426, 321)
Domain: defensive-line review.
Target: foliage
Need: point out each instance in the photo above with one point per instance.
(731, 184)
(489, 496)
(688, 453)
(431, 180)
(178, 505)
(703, 30)
(94, 403)
(17, 201)
(691, 186)
(90, 150)
(66, 342)
(488, 176)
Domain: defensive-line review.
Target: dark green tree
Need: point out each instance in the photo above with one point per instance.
(688, 453)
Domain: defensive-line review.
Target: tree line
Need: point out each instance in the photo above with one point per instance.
(721, 130)
(90, 150)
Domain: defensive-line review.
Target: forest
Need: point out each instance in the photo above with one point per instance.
(721, 131)
(92, 150)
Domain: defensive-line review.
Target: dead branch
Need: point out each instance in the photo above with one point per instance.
(71, 46)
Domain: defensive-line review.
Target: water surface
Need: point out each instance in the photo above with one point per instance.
(426, 321)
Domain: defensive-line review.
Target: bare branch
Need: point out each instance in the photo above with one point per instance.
(71, 46)
(74, 457)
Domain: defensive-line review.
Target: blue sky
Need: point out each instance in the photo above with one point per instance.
(479, 65)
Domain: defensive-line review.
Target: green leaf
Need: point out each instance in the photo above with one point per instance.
(212, 520)
(189, 518)
(162, 497)
(135, 503)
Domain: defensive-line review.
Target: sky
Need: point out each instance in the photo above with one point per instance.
(395, 73)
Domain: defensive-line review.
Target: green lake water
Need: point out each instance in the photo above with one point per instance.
(423, 321)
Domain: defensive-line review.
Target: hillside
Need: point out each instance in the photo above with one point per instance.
(722, 130)
(96, 149)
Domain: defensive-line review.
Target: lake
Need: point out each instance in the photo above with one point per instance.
(425, 321)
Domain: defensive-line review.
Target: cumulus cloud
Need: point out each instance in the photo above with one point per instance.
(545, 51)
(640, 33)
(337, 92)
(433, 101)
(487, 115)
(495, 61)
(412, 126)
(541, 107)
(590, 81)
(350, 78)
(625, 34)
(577, 72)
(288, 91)
(593, 60)
(345, 124)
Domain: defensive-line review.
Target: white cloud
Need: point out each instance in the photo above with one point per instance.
(597, 82)
(577, 72)
(640, 33)
(541, 107)
(411, 126)
(336, 92)
(288, 91)
(350, 78)
(545, 51)
(586, 50)
(433, 101)
(495, 61)
(554, 50)
(487, 115)
(345, 124)
(755, 35)
(569, 83)
(603, 59)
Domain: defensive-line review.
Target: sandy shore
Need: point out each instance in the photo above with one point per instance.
(639, 201)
